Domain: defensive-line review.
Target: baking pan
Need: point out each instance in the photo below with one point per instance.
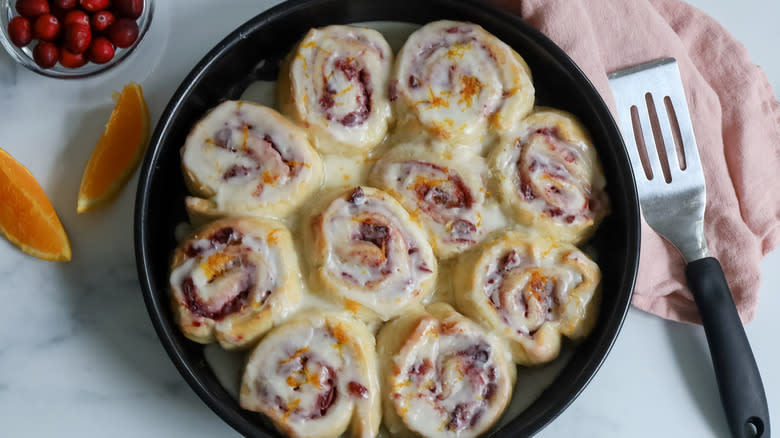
(253, 52)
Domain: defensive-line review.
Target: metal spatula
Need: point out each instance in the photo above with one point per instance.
(659, 136)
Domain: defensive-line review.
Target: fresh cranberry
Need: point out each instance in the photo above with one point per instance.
(19, 31)
(32, 8)
(101, 21)
(64, 4)
(46, 28)
(77, 16)
(94, 5)
(77, 37)
(101, 50)
(123, 33)
(46, 54)
(129, 8)
(69, 59)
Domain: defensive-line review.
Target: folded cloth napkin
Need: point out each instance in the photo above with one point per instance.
(736, 120)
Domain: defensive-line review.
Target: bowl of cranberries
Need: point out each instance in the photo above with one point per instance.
(73, 38)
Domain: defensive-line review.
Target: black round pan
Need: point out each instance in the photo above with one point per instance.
(236, 61)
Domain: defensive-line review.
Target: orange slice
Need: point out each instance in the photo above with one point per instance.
(118, 152)
(27, 218)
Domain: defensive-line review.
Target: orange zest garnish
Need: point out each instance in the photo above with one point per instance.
(27, 217)
(215, 265)
(470, 88)
(118, 152)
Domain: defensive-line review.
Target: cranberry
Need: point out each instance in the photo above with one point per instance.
(77, 16)
(32, 8)
(69, 59)
(47, 27)
(19, 31)
(64, 4)
(129, 8)
(101, 50)
(102, 21)
(77, 37)
(94, 5)
(123, 33)
(46, 54)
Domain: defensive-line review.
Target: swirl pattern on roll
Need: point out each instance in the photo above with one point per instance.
(457, 82)
(367, 251)
(334, 83)
(246, 158)
(447, 196)
(443, 375)
(531, 290)
(315, 376)
(233, 279)
(549, 175)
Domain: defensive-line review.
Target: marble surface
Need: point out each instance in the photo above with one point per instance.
(79, 357)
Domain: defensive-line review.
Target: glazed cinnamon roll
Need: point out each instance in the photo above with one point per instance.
(458, 82)
(550, 177)
(315, 376)
(334, 83)
(365, 249)
(244, 158)
(232, 280)
(442, 374)
(446, 195)
(530, 290)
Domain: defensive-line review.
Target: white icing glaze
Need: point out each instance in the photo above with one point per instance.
(531, 290)
(338, 87)
(314, 375)
(549, 174)
(448, 378)
(366, 249)
(457, 81)
(446, 195)
(234, 278)
(245, 158)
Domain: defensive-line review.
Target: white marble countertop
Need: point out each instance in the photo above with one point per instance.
(79, 356)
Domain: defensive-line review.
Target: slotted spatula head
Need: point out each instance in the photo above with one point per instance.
(657, 129)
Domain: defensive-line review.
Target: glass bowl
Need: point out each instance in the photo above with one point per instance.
(24, 55)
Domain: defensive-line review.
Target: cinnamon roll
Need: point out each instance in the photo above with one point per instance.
(366, 250)
(315, 376)
(447, 196)
(442, 374)
(550, 177)
(458, 82)
(530, 290)
(334, 83)
(233, 279)
(244, 158)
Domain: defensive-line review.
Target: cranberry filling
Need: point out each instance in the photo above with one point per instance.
(357, 197)
(462, 230)
(199, 308)
(326, 398)
(223, 139)
(363, 100)
(392, 90)
(477, 353)
(237, 171)
(357, 390)
(222, 237)
(376, 234)
(453, 195)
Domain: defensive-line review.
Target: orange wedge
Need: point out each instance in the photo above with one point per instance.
(27, 218)
(118, 152)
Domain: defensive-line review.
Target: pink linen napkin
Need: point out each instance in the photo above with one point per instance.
(736, 120)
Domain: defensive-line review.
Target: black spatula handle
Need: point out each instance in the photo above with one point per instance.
(739, 381)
